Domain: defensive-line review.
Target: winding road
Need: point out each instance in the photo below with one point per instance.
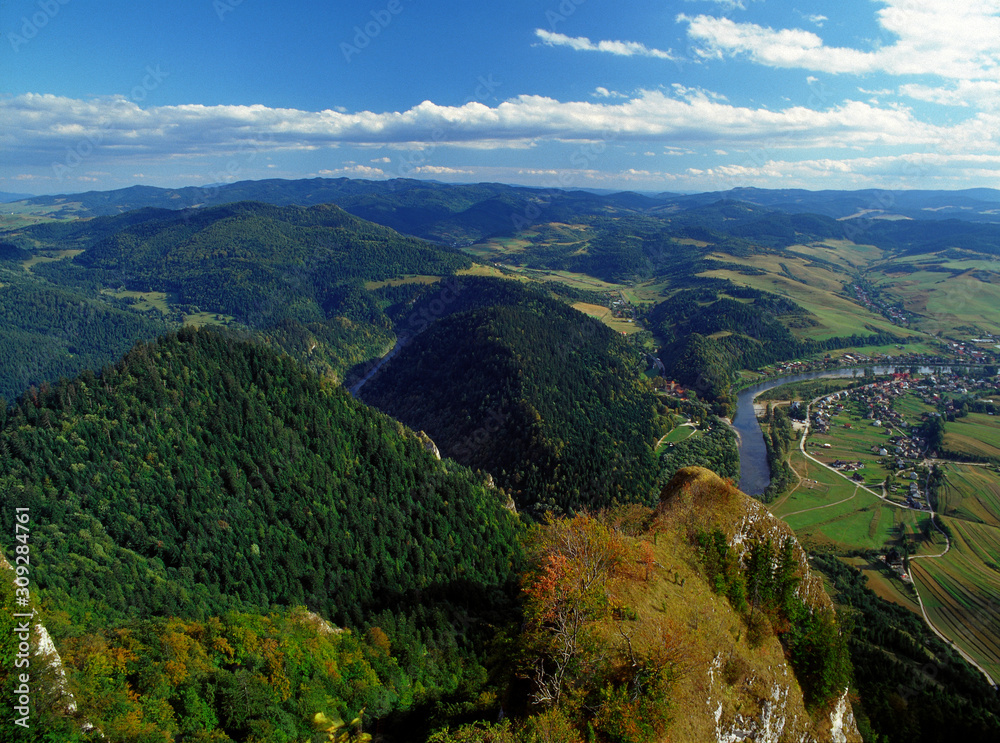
(882, 497)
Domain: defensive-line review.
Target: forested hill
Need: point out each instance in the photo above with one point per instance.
(201, 475)
(257, 262)
(78, 295)
(544, 398)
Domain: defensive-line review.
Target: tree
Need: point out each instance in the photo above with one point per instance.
(577, 566)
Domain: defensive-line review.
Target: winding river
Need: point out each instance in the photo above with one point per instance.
(755, 475)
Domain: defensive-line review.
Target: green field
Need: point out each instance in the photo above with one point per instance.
(885, 583)
(50, 256)
(605, 315)
(946, 292)
(970, 493)
(977, 435)
(852, 444)
(836, 524)
(838, 315)
(158, 301)
(912, 407)
(826, 511)
(961, 591)
(680, 433)
(414, 279)
(199, 319)
(840, 251)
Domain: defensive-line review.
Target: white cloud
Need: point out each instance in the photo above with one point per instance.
(908, 171)
(43, 128)
(441, 170)
(981, 94)
(353, 170)
(583, 44)
(954, 39)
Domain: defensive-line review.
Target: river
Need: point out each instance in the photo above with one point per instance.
(755, 475)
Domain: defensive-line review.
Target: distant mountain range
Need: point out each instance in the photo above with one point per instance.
(424, 205)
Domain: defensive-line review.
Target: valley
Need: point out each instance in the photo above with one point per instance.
(351, 419)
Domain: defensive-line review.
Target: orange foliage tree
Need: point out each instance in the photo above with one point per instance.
(577, 566)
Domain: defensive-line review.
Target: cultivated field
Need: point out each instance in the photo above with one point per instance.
(607, 317)
(970, 493)
(961, 591)
(977, 435)
(826, 511)
(948, 292)
(822, 296)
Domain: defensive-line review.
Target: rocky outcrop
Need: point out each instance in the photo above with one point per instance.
(735, 690)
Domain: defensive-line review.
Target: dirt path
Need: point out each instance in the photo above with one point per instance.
(681, 425)
(825, 505)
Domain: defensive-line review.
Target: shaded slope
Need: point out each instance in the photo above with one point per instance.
(542, 397)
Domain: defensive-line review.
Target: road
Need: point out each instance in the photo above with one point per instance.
(930, 511)
(401, 341)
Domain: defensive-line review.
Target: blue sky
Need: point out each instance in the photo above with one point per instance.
(689, 95)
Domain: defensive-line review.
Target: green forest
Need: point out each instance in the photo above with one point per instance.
(542, 397)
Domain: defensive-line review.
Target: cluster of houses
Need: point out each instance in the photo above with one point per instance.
(620, 307)
(913, 498)
(895, 313)
(969, 353)
(901, 448)
(933, 390)
(846, 466)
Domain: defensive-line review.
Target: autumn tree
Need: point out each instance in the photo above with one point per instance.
(578, 565)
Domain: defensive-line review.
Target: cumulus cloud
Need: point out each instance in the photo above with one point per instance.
(353, 170)
(441, 170)
(583, 44)
(981, 94)
(47, 126)
(951, 38)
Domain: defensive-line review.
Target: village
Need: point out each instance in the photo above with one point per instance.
(875, 432)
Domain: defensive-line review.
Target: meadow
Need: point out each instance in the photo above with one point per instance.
(823, 296)
(947, 291)
(829, 512)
